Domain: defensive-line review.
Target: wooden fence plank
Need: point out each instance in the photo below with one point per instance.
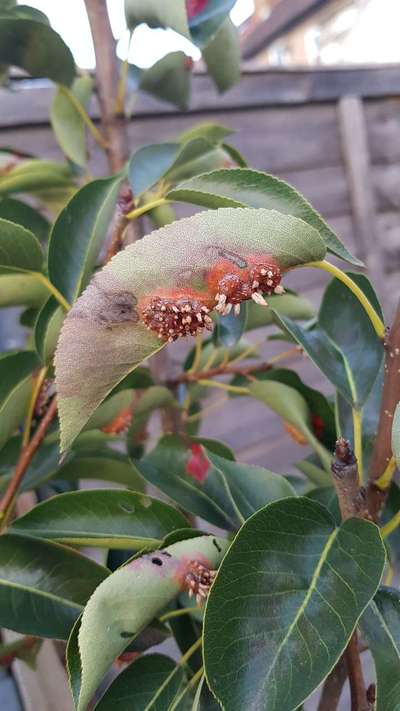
(356, 158)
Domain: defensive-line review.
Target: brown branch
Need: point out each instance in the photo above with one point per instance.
(358, 691)
(227, 369)
(333, 686)
(352, 503)
(351, 497)
(24, 460)
(390, 397)
(107, 75)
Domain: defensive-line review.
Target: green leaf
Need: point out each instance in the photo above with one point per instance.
(25, 215)
(148, 164)
(21, 290)
(19, 249)
(168, 14)
(171, 161)
(166, 468)
(87, 462)
(290, 404)
(219, 490)
(275, 627)
(136, 687)
(47, 329)
(36, 176)
(168, 79)
(318, 405)
(222, 56)
(67, 123)
(103, 337)
(135, 594)
(353, 333)
(16, 370)
(295, 307)
(78, 234)
(213, 132)
(30, 13)
(229, 329)
(43, 585)
(102, 518)
(250, 487)
(109, 410)
(380, 624)
(239, 187)
(322, 351)
(35, 47)
(155, 397)
(205, 24)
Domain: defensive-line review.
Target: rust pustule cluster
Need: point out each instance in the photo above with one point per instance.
(185, 313)
(198, 580)
(234, 287)
(172, 318)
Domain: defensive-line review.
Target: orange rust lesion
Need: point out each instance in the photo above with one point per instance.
(175, 313)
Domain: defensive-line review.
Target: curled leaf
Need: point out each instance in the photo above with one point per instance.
(136, 594)
(164, 286)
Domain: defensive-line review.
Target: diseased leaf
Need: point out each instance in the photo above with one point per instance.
(380, 624)
(136, 594)
(136, 687)
(103, 337)
(222, 56)
(37, 48)
(78, 233)
(67, 123)
(43, 585)
(238, 187)
(102, 518)
(285, 602)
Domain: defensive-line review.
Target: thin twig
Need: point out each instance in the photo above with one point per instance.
(227, 369)
(24, 460)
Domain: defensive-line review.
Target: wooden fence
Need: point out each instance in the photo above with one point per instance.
(333, 133)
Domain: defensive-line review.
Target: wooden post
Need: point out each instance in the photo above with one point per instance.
(357, 161)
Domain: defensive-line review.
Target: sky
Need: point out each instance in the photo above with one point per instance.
(69, 19)
(373, 38)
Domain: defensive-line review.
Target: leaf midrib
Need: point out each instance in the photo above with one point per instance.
(302, 608)
(41, 593)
